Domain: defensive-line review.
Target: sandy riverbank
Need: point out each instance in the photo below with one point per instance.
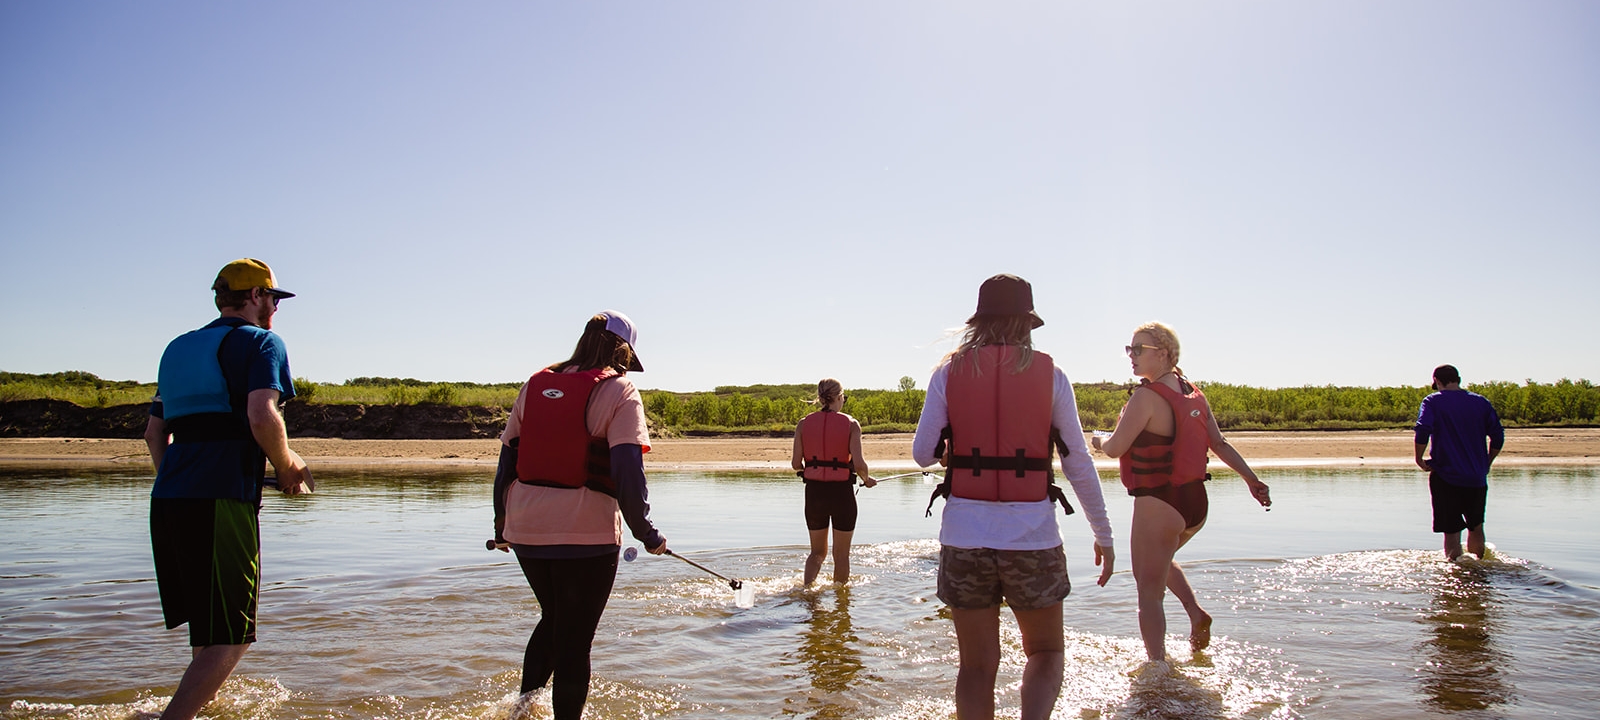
(1579, 446)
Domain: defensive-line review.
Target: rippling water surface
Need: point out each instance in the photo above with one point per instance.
(379, 601)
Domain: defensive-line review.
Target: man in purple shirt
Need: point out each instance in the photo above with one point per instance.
(1466, 436)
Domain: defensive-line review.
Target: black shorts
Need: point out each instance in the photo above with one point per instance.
(830, 501)
(1456, 508)
(208, 567)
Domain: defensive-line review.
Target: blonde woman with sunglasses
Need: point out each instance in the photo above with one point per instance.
(1162, 439)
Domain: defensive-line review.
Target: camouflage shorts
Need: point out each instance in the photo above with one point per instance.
(977, 578)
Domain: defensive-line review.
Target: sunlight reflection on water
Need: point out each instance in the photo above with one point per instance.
(379, 602)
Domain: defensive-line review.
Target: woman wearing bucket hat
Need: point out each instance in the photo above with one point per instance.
(995, 410)
(571, 472)
(1162, 438)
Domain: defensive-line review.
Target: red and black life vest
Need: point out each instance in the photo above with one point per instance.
(825, 445)
(1181, 461)
(1000, 434)
(554, 448)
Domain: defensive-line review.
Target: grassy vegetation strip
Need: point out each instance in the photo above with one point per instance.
(774, 409)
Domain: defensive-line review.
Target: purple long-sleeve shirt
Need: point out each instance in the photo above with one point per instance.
(1459, 423)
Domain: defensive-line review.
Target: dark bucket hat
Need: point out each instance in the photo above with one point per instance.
(1006, 294)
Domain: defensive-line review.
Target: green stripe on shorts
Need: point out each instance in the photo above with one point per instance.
(235, 573)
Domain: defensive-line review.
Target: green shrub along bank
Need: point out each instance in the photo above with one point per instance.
(776, 408)
(79, 388)
(769, 409)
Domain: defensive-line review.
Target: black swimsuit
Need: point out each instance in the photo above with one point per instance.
(1189, 499)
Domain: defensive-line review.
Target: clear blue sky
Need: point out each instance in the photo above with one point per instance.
(1320, 192)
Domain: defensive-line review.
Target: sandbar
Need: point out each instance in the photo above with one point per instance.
(892, 452)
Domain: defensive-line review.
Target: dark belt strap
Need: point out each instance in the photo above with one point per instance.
(978, 462)
(840, 464)
(1055, 493)
(208, 427)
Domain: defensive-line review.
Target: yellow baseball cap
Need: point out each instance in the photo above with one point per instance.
(247, 273)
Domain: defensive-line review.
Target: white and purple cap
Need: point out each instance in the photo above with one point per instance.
(619, 325)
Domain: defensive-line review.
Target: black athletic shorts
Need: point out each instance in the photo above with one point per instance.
(208, 567)
(830, 501)
(1456, 508)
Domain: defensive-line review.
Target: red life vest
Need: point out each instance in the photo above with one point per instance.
(1000, 433)
(825, 445)
(1181, 461)
(554, 448)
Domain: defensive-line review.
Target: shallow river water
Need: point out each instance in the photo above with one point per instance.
(379, 601)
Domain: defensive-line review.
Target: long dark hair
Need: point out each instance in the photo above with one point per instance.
(598, 348)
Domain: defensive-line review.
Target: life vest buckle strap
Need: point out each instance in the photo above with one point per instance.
(834, 463)
(942, 490)
(206, 427)
(1019, 462)
(1060, 496)
(1165, 457)
(1060, 444)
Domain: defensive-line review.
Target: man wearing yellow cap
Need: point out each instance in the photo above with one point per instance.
(213, 426)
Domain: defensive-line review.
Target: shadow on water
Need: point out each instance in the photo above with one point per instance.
(1463, 662)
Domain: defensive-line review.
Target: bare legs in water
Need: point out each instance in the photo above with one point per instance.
(1475, 543)
(819, 551)
(209, 667)
(1158, 532)
(978, 638)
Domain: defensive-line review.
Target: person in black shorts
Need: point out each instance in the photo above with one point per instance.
(827, 454)
(213, 426)
(1465, 435)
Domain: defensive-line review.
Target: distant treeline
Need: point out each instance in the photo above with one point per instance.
(776, 408)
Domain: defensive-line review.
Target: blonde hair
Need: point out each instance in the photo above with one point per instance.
(1165, 338)
(828, 390)
(981, 330)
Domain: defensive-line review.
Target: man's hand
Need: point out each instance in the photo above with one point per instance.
(1422, 449)
(295, 479)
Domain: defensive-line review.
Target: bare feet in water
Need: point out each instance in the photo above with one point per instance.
(1200, 632)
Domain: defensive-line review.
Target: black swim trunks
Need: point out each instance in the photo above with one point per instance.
(208, 567)
(1456, 508)
(830, 502)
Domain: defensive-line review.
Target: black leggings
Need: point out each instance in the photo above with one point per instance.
(572, 595)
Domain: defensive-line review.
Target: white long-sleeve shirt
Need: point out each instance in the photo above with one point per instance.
(1014, 525)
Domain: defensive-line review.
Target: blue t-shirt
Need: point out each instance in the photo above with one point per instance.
(252, 359)
(1459, 422)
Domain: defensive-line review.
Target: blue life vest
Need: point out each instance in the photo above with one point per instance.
(190, 379)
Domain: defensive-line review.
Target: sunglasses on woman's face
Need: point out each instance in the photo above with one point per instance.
(1134, 351)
